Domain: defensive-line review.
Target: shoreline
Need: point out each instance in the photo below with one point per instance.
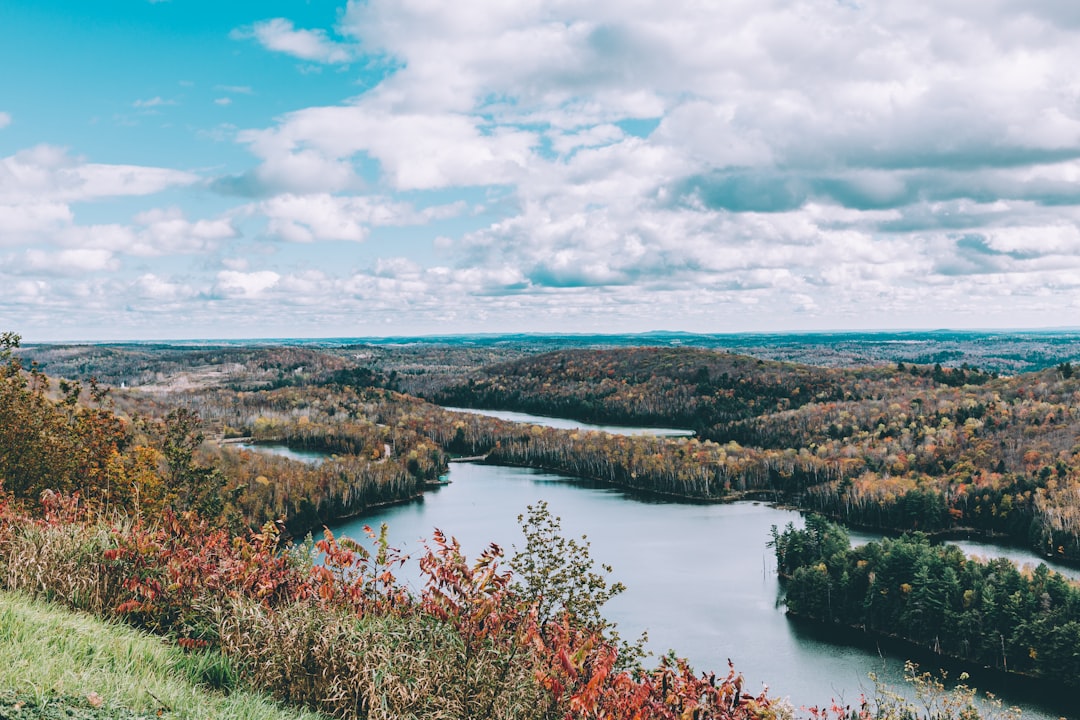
(1051, 695)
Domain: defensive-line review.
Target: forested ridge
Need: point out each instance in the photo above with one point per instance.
(684, 387)
(894, 447)
(140, 451)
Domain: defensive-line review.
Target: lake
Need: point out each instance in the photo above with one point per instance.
(564, 424)
(311, 457)
(699, 577)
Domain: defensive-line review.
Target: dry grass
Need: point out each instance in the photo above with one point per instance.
(378, 667)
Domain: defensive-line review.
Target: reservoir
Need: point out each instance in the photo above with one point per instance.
(699, 578)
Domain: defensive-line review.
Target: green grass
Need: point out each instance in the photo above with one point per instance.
(58, 663)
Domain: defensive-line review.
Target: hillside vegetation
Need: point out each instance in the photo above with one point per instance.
(896, 447)
(686, 387)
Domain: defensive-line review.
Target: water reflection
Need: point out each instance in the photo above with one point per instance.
(564, 424)
(311, 457)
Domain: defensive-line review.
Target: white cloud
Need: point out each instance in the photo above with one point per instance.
(307, 218)
(168, 232)
(246, 285)
(75, 261)
(223, 101)
(311, 150)
(5, 120)
(37, 187)
(49, 173)
(153, 287)
(565, 143)
(156, 233)
(156, 101)
(279, 35)
(775, 79)
(17, 221)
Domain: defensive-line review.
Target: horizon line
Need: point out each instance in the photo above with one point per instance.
(542, 335)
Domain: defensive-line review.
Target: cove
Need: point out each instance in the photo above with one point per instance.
(699, 578)
(311, 457)
(565, 424)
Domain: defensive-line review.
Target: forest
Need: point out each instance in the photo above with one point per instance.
(989, 613)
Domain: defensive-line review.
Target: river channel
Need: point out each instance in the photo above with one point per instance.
(699, 577)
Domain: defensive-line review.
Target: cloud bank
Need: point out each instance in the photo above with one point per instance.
(572, 165)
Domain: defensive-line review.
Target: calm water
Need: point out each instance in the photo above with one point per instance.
(985, 550)
(699, 577)
(311, 457)
(564, 424)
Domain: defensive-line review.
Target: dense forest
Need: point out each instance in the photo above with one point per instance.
(989, 613)
(686, 387)
(426, 364)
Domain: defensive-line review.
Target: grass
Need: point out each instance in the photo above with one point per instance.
(59, 663)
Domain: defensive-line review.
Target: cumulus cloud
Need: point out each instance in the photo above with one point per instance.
(49, 173)
(281, 36)
(158, 289)
(18, 221)
(307, 218)
(155, 233)
(247, 285)
(168, 232)
(719, 165)
(311, 150)
(783, 155)
(38, 187)
(74, 261)
(764, 82)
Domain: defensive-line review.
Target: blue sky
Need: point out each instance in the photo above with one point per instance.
(183, 169)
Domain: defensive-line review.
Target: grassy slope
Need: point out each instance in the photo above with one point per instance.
(55, 661)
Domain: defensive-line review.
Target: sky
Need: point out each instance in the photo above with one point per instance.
(188, 169)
